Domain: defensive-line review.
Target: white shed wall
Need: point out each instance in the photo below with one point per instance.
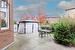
(30, 28)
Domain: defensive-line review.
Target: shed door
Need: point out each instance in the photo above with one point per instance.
(35, 28)
(28, 27)
(31, 27)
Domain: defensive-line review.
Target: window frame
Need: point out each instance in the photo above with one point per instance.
(7, 15)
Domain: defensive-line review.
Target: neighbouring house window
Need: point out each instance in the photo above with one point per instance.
(4, 15)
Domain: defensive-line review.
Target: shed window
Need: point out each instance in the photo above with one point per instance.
(4, 15)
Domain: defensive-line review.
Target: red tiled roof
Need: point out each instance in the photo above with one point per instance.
(28, 17)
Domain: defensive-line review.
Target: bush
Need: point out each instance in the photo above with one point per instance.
(64, 32)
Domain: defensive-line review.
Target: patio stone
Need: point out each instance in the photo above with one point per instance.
(34, 42)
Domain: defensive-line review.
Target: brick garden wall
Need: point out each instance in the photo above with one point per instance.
(6, 37)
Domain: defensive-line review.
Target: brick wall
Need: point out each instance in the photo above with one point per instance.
(6, 36)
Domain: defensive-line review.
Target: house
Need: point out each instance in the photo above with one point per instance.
(70, 13)
(28, 24)
(6, 23)
(52, 19)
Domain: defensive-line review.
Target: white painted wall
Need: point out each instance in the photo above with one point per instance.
(70, 13)
(21, 28)
(15, 27)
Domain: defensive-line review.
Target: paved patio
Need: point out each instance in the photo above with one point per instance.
(34, 42)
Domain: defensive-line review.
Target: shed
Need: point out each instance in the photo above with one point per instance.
(28, 24)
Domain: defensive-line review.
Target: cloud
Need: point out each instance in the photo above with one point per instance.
(32, 6)
(36, 1)
(67, 4)
(31, 9)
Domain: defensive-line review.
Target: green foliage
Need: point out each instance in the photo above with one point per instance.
(3, 23)
(64, 32)
(45, 27)
(15, 22)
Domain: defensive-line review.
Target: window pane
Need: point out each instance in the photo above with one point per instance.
(3, 4)
(4, 0)
(3, 21)
(4, 15)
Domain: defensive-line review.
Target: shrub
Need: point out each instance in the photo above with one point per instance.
(64, 32)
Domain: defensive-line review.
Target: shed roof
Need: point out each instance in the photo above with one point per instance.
(28, 19)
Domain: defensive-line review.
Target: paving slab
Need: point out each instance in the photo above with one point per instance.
(34, 42)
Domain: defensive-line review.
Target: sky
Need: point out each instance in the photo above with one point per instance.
(47, 7)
